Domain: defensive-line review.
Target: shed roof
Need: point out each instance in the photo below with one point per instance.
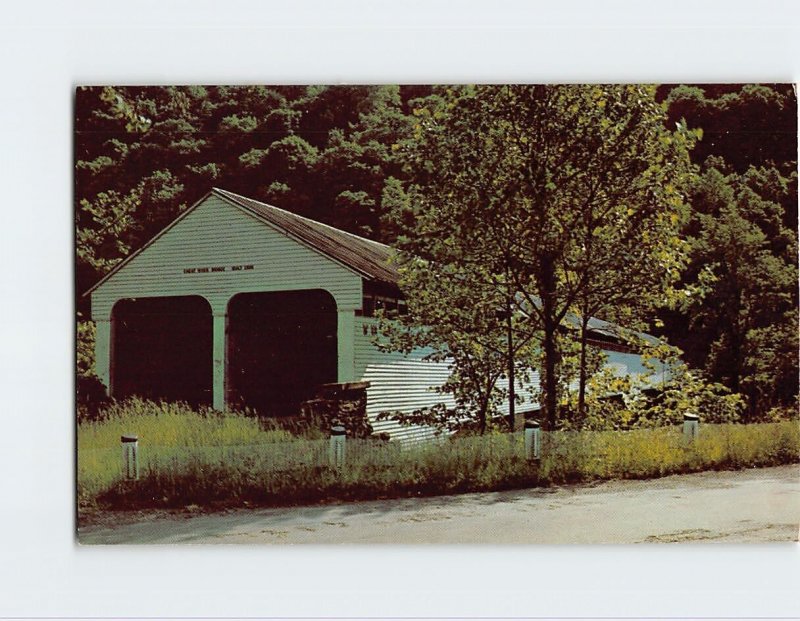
(369, 258)
(597, 327)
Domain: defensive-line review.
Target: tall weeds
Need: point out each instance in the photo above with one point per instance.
(211, 459)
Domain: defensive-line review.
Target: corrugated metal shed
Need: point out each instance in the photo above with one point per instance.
(370, 258)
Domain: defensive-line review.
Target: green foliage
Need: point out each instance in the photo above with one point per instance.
(657, 398)
(103, 229)
(513, 184)
(108, 225)
(85, 348)
(683, 394)
(680, 390)
(740, 323)
(90, 392)
(744, 262)
(452, 319)
(746, 125)
(770, 366)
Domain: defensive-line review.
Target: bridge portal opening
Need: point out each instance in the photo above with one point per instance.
(162, 349)
(281, 347)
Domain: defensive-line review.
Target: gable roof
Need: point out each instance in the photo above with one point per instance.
(369, 259)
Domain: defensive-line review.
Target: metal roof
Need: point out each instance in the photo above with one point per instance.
(613, 330)
(370, 259)
(596, 326)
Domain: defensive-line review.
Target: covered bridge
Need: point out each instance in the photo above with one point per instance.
(239, 303)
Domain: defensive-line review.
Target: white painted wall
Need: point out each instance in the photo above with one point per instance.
(398, 383)
(214, 234)
(218, 234)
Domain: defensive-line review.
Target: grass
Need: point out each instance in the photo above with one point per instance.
(226, 460)
(168, 431)
(175, 424)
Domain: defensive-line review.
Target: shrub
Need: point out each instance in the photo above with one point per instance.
(780, 413)
(90, 398)
(660, 397)
(85, 337)
(90, 392)
(686, 393)
(683, 390)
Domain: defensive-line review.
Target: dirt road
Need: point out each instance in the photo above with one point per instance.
(745, 506)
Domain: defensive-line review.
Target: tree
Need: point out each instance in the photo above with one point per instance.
(745, 124)
(458, 307)
(743, 240)
(361, 159)
(628, 269)
(626, 297)
(747, 321)
(517, 178)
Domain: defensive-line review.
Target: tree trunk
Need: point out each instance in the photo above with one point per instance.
(547, 280)
(582, 374)
(485, 400)
(510, 353)
(550, 384)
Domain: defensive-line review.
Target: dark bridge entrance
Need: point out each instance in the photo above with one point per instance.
(281, 347)
(163, 349)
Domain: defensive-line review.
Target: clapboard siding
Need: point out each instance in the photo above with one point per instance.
(524, 391)
(217, 233)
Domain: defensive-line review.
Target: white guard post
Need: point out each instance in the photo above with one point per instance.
(130, 457)
(533, 442)
(336, 450)
(691, 426)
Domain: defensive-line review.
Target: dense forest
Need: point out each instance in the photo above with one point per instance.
(346, 155)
